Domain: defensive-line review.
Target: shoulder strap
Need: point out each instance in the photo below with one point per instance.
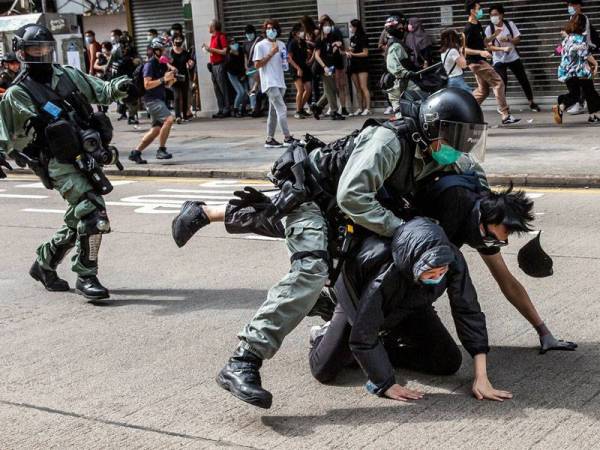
(510, 30)
(444, 62)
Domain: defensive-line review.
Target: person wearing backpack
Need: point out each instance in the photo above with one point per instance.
(453, 59)
(503, 36)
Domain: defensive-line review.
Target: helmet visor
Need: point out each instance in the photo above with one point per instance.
(465, 137)
(40, 52)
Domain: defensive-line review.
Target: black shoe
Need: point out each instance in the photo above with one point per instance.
(337, 116)
(218, 115)
(345, 112)
(290, 140)
(272, 143)
(190, 219)
(256, 114)
(162, 153)
(509, 120)
(91, 288)
(49, 278)
(316, 111)
(241, 377)
(594, 119)
(178, 121)
(136, 157)
(122, 117)
(533, 106)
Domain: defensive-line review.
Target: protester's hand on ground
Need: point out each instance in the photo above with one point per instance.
(549, 342)
(483, 390)
(402, 394)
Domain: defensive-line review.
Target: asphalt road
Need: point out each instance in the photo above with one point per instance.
(139, 372)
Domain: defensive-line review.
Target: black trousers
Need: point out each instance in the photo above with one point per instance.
(180, 93)
(518, 70)
(419, 342)
(576, 86)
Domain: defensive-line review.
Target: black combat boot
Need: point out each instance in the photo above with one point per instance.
(189, 220)
(91, 288)
(241, 377)
(49, 278)
(162, 153)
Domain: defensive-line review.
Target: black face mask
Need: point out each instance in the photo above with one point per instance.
(42, 73)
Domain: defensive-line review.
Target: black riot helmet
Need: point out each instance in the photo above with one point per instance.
(34, 44)
(454, 116)
(10, 57)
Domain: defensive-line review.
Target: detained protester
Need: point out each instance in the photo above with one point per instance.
(67, 150)
(485, 75)
(399, 64)
(156, 77)
(270, 58)
(317, 190)
(505, 37)
(452, 51)
(385, 316)
(577, 70)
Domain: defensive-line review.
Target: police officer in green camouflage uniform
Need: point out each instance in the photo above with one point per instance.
(10, 68)
(47, 107)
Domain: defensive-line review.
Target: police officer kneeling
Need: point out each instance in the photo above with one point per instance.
(48, 123)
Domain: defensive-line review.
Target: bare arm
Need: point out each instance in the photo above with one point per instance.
(512, 289)
(318, 58)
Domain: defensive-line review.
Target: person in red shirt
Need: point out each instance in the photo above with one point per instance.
(218, 51)
(93, 47)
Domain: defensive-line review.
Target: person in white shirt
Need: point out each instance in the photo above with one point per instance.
(453, 57)
(502, 38)
(271, 59)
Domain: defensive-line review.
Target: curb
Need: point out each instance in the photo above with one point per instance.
(523, 180)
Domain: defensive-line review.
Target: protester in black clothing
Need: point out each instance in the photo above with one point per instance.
(252, 82)
(358, 66)
(386, 285)
(311, 34)
(236, 73)
(301, 73)
(183, 63)
(419, 42)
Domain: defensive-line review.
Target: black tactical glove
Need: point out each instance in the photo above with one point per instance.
(129, 88)
(412, 75)
(4, 163)
(251, 197)
(549, 342)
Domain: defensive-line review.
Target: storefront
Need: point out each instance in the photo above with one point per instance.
(539, 21)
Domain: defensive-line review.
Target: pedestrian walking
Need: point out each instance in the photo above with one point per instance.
(157, 77)
(301, 73)
(452, 48)
(218, 49)
(182, 60)
(577, 70)
(505, 35)
(485, 75)
(270, 58)
(358, 66)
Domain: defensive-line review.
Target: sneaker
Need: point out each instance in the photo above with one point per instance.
(316, 111)
(389, 110)
(218, 115)
(305, 114)
(290, 140)
(136, 157)
(328, 113)
(594, 119)
(344, 112)
(577, 108)
(509, 120)
(162, 153)
(272, 143)
(299, 115)
(337, 116)
(366, 112)
(358, 112)
(178, 121)
(533, 106)
(557, 114)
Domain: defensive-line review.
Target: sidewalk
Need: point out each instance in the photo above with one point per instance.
(532, 152)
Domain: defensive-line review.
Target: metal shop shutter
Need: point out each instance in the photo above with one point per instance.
(236, 14)
(159, 14)
(539, 21)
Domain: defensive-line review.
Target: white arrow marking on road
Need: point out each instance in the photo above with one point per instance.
(22, 196)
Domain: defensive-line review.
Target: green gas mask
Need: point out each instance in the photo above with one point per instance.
(446, 155)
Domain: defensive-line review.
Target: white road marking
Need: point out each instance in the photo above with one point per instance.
(256, 237)
(534, 195)
(122, 182)
(31, 186)
(41, 210)
(22, 196)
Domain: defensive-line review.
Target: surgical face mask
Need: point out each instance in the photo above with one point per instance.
(479, 14)
(410, 28)
(234, 47)
(89, 40)
(433, 281)
(571, 10)
(327, 29)
(271, 34)
(250, 36)
(446, 155)
(495, 20)
(149, 38)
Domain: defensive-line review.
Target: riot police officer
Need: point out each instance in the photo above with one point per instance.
(10, 69)
(362, 179)
(47, 122)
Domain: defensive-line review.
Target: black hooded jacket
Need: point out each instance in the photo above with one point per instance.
(380, 288)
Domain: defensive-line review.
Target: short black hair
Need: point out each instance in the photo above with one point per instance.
(470, 4)
(117, 31)
(513, 209)
(498, 7)
(90, 32)
(250, 28)
(575, 2)
(153, 31)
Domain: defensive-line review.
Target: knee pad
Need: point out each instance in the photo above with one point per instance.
(94, 223)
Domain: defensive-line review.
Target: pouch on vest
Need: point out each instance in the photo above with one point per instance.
(63, 141)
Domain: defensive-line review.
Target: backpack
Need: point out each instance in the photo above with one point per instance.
(138, 79)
